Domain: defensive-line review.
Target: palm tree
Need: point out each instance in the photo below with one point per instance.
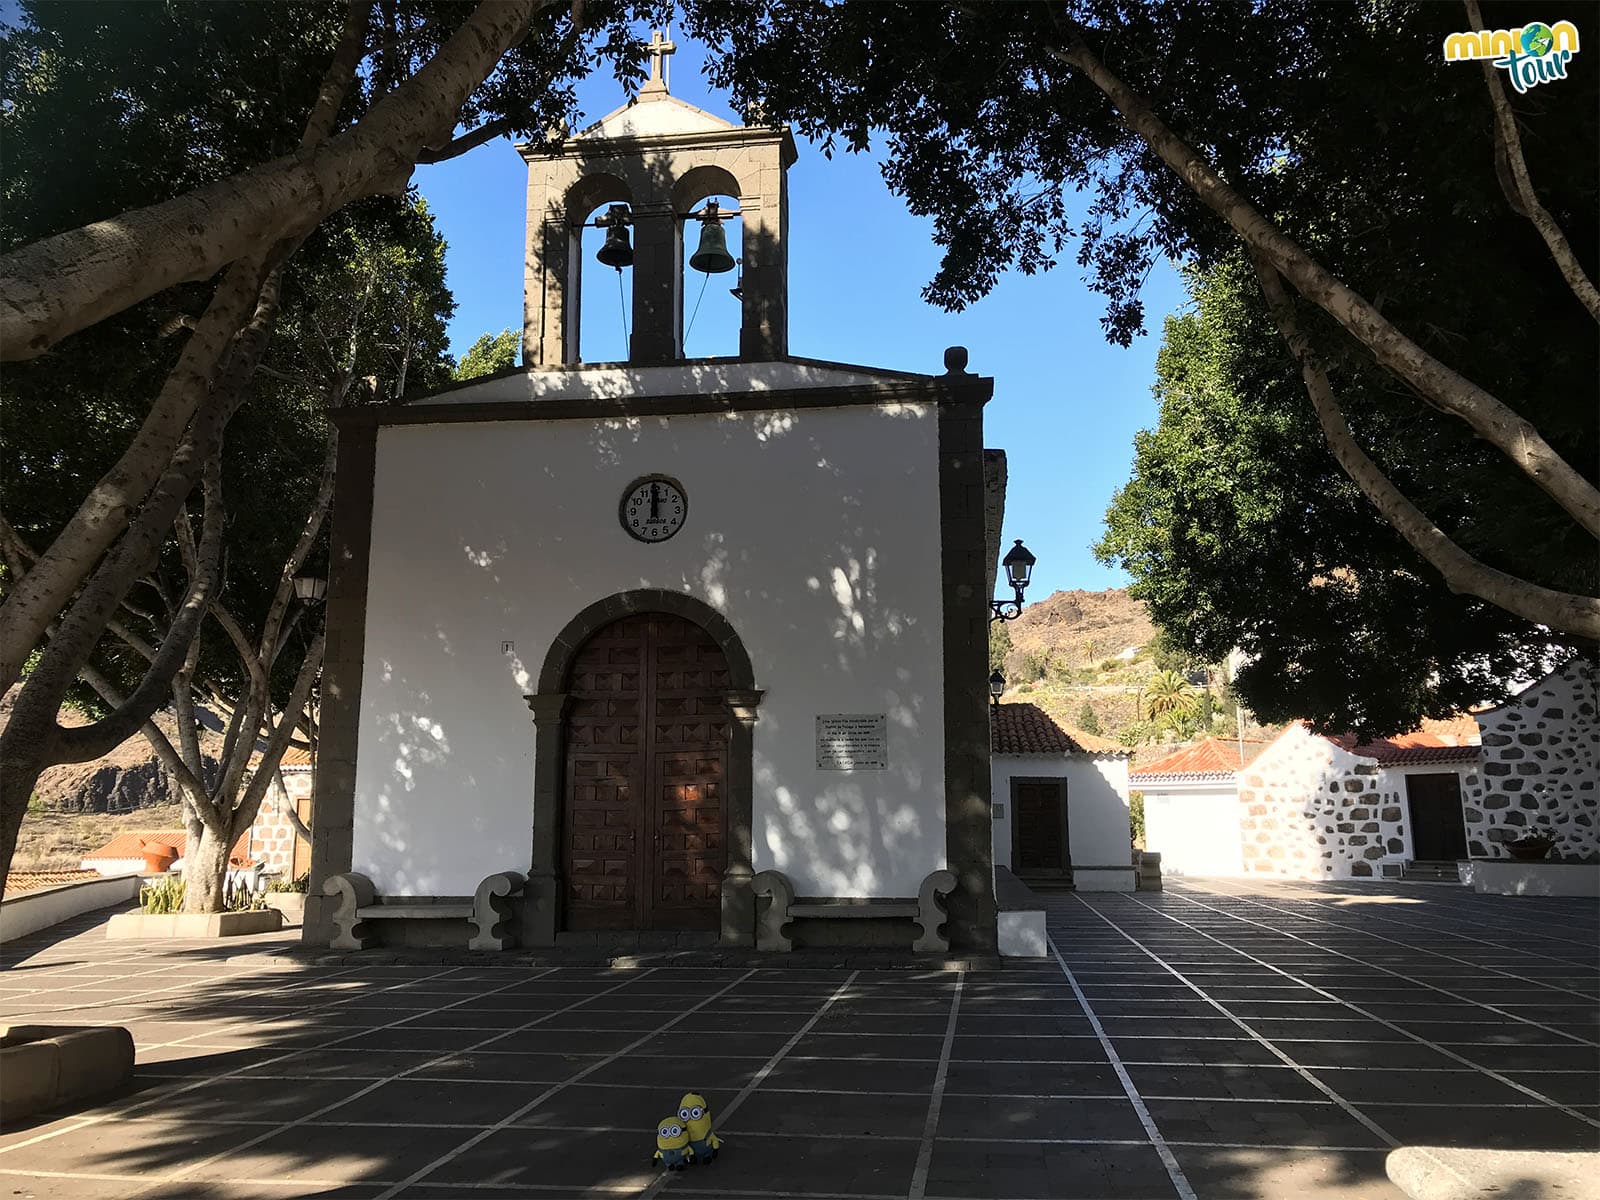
(1168, 694)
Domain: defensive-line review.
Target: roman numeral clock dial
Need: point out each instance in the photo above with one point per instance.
(654, 508)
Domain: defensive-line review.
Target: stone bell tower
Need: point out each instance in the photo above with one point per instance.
(660, 157)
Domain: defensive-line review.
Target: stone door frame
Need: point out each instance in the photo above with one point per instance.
(545, 892)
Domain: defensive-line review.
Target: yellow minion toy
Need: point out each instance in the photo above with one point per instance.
(672, 1145)
(695, 1114)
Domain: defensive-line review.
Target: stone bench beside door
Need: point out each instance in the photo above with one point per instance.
(926, 910)
(360, 906)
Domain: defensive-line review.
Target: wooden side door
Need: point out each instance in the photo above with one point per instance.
(1438, 827)
(1039, 845)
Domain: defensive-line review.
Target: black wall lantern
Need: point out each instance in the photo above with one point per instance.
(1019, 570)
(997, 687)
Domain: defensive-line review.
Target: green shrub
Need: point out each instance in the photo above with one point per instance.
(1136, 818)
(301, 884)
(163, 896)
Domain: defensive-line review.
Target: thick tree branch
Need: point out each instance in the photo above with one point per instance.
(470, 140)
(91, 741)
(278, 741)
(1440, 386)
(64, 283)
(194, 790)
(1562, 611)
(490, 130)
(1518, 186)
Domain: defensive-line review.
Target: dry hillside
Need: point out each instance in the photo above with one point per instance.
(1078, 629)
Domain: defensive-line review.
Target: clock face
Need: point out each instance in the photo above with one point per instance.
(654, 508)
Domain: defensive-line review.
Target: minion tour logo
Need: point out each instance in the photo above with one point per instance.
(1534, 54)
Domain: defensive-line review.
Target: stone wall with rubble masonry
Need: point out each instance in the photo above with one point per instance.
(1540, 767)
(272, 837)
(1310, 810)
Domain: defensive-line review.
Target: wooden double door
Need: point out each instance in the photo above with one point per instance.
(645, 813)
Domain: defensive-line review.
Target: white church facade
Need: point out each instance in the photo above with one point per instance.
(649, 642)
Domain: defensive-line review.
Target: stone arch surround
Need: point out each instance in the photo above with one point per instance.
(542, 900)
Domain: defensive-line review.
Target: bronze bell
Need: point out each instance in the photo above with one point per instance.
(617, 251)
(712, 257)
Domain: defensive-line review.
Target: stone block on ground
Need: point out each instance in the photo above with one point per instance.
(1448, 1173)
(43, 1067)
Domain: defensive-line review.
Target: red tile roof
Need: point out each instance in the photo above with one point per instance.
(1028, 729)
(19, 882)
(293, 756)
(1453, 739)
(1209, 760)
(131, 845)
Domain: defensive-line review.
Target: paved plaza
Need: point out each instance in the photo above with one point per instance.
(1220, 1039)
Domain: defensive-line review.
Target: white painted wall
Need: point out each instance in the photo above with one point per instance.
(1393, 780)
(814, 532)
(1097, 804)
(33, 911)
(1195, 828)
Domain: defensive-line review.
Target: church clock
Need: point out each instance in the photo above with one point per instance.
(653, 508)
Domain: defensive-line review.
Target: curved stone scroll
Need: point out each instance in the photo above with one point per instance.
(355, 892)
(769, 927)
(931, 912)
(493, 921)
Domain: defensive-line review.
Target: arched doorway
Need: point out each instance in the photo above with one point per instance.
(567, 689)
(645, 807)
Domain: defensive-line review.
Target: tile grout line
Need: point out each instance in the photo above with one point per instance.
(1180, 1181)
(1406, 1033)
(744, 1093)
(1300, 897)
(1305, 1074)
(304, 1118)
(1388, 971)
(134, 1108)
(919, 1175)
(556, 1088)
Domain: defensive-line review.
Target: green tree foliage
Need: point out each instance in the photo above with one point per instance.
(999, 646)
(1088, 719)
(1240, 530)
(1345, 127)
(490, 353)
(1136, 818)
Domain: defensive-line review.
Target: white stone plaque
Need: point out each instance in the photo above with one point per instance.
(853, 742)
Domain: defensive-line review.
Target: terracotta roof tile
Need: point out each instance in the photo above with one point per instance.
(1453, 739)
(1028, 729)
(1209, 760)
(131, 845)
(19, 882)
(293, 756)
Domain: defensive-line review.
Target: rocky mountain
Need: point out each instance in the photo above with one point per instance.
(129, 778)
(1076, 630)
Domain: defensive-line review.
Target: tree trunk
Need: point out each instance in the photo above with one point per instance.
(64, 283)
(205, 868)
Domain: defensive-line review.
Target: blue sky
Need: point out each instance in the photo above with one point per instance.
(1066, 404)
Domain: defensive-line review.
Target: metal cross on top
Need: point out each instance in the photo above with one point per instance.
(659, 48)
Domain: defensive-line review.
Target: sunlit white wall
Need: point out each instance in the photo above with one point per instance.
(1194, 828)
(815, 532)
(1097, 804)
